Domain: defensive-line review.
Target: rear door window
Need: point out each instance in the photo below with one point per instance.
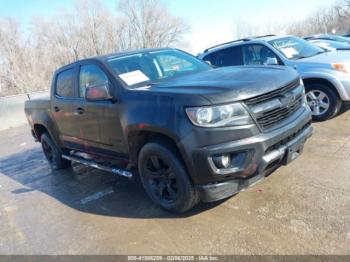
(65, 83)
(228, 57)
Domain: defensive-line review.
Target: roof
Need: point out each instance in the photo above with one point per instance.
(103, 58)
(119, 54)
(272, 37)
(254, 39)
(132, 52)
(315, 36)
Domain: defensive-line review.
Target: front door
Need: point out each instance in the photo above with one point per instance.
(99, 129)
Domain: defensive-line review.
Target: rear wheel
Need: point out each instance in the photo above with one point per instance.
(323, 101)
(53, 153)
(165, 179)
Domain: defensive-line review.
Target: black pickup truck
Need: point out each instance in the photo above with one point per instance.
(189, 131)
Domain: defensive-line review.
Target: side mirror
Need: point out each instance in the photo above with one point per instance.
(272, 61)
(98, 93)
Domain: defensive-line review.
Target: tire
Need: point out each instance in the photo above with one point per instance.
(323, 101)
(165, 179)
(53, 153)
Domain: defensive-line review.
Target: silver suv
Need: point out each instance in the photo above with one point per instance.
(326, 75)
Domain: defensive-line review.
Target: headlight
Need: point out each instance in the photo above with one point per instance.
(219, 116)
(342, 67)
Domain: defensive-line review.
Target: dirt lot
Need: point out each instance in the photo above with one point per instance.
(300, 209)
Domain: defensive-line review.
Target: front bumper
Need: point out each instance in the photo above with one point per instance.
(271, 160)
(344, 89)
(263, 153)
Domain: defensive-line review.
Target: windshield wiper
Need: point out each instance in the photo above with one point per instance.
(320, 52)
(301, 57)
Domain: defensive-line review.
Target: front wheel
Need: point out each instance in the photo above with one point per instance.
(165, 179)
(323, 101)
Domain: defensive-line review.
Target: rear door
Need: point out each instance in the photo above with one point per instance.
(62, 99)
(231, 56)
(87, 114)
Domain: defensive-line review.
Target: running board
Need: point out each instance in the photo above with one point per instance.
(91, 163)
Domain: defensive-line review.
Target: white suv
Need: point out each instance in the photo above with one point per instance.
(326, 75)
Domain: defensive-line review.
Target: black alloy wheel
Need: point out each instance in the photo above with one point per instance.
(165, 179)
(161, 179)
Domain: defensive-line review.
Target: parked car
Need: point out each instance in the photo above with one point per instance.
(191, 132)
(330, 45)
(326, 75)
(336, 38)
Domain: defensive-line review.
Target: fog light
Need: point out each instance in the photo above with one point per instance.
(222, 161)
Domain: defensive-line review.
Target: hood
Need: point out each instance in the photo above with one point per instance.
(339, 56)
(227, 84)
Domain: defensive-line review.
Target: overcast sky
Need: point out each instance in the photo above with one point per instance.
(211, 21)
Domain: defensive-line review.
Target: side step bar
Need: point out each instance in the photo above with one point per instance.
(91, 163)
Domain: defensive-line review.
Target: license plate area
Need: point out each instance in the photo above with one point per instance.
(293, 152)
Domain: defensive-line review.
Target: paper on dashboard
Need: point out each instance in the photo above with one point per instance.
(134, 77)
(289, 52)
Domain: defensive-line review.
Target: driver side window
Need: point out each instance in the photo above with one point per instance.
(257, 55)
(91, 76)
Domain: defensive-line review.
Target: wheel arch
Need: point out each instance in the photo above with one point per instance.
(39, 129)
(321, 81)
(138, 138)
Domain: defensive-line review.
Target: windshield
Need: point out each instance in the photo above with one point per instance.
(153, 66)
(295, 48)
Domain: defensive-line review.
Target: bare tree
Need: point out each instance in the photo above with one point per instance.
(15, 59)
(148, 23)
(244, 29)
(324, 20)
(28, 59)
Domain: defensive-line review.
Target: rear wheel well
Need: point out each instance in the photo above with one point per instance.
(39, 130)
(310, 81)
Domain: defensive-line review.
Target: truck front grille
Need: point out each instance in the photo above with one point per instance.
(273, 94)
(270, 118)
(272, 108)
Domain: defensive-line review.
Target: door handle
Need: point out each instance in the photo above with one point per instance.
(56, 109)
(79, 111)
